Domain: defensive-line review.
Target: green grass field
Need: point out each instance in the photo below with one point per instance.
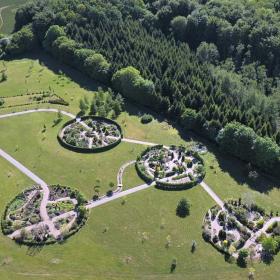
(8, 14)
(118, 253)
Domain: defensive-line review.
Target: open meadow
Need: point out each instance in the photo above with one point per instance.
(135, 237)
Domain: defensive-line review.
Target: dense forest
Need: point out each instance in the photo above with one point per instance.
(204, 64)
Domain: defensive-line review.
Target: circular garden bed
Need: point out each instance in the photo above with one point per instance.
(171, 167)
(90, 134)
(241, 227)
(22, 219)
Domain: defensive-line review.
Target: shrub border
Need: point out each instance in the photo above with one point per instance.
(48, 242)
(165, 185)
(87, 150)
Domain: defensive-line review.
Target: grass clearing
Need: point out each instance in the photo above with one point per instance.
(120, 240)
(41, 153)
(8, 14)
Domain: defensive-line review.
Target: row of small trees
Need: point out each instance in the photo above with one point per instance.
(103, 104)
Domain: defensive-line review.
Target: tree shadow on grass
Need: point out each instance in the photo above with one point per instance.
(58, 68)
(267, 258)
(234, 167)
(228, 164)
(237, 169)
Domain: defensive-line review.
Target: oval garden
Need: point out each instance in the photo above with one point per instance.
(90, 134)
(171, 167)
(242, 230)
(30, 220)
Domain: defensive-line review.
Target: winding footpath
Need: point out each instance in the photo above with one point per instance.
(257, 234)
(1, 18)
(121, 171)
(46, 192)
(118, 193)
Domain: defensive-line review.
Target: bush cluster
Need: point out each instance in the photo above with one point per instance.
(146, 118)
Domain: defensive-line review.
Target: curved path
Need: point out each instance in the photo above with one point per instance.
(46, 192)
(203, 184)
(1, 18)
(252, 240)
(121, 171)
(91, 204)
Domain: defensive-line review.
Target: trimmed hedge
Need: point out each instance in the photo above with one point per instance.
(51, 240)
(143, 175)
(175, 187)
(87, 150)
(167, 185)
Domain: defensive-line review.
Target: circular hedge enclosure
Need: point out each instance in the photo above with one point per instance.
(172, 168)
(90, 134)
(239, 226)
(22, 219)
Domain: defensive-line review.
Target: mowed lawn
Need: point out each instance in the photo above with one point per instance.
(225, 175)
(32, 76)
(111, 244)
(8, 14)
(43, 155)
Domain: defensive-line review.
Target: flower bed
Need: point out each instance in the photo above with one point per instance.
(172, 168)
(239, 227)
(90, 134)
(22, 217)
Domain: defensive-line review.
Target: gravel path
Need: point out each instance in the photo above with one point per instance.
(43, 207)
(104, 200)
(212, 194)
(36, 111)
(1, 18)
(138, 142)
(92, 204)
(121, 171)
(255, 235)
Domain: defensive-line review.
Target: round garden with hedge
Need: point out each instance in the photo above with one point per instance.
(171, 167)
(90, 134)
(242, 229)
(66, 214)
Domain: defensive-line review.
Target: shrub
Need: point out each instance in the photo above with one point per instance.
(222, 235)
(109, 193)
(2, 102)
(4, 77)
(146, 118)
(270, 245)
(242, 258)
(260, 224)
(183, 208)
(215, 239)
(206, 234)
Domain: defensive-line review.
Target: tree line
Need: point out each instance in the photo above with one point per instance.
(120, 44)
